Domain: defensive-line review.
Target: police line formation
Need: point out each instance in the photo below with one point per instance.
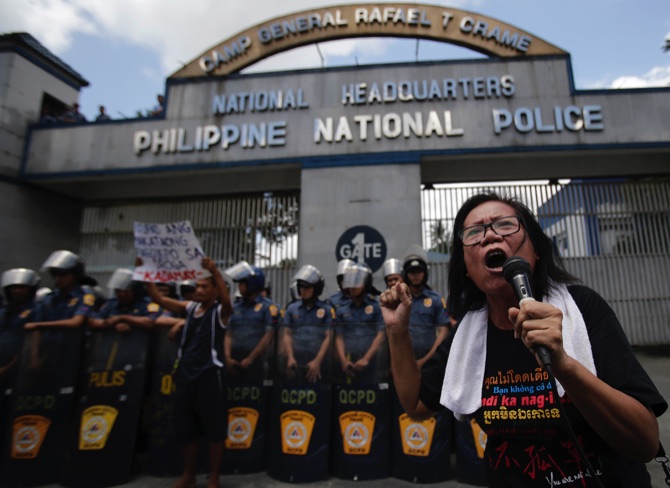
(159, 372)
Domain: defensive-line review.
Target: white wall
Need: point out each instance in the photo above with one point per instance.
(385, 197)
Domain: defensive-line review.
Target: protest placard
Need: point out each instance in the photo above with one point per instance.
(169, 252)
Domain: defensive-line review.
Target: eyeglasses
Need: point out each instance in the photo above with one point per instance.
(503, 226)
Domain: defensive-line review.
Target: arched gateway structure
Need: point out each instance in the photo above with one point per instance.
(477, 32)
(308, 166)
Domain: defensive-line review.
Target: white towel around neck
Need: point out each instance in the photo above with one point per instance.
(464, 375)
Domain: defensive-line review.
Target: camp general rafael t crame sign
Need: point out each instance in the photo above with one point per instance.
(477, 32)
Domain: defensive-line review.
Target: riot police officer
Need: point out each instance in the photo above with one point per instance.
(19, 286)
(252, 325)
(69, 306)
(429, 320)
(307, 330)
(392, 272)
(249, 353)
(340, 298)
(52, 367)
(359, 328)
(128, 308)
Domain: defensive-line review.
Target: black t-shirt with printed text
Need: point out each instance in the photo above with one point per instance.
(528, 445)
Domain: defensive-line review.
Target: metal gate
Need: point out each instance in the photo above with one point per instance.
(261, 229)
(614, 236)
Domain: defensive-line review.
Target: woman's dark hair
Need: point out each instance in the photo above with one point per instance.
(464, 294)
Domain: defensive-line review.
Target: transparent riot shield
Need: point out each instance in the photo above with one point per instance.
(361, 437)
(42, 407)
(300, 407)
(109, 404)
(249, 383)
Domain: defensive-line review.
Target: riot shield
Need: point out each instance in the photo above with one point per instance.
(10, 349)
(164, 454)
(42, 407)
(248, 396)
(108, 409)
(421, 449)
(470, 442)
(361, 438)
(300, 408)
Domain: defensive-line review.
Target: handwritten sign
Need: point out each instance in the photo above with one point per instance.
(169, 252)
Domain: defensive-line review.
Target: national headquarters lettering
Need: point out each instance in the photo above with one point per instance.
(383, 110)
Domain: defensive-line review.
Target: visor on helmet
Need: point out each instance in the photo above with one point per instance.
(240, 271)
(121, 279)
(356, 275)
(392, 266)
(342, 265)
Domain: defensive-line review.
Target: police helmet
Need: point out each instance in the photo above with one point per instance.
(391, 266)
(121, 279)
(20, 276)
(342, 265)
(310, 276)
(357, 274)
(252, 275)
(415, 262)
(186, 286)
(41, 293)
(64, 261)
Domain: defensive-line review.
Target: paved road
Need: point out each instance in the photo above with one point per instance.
(656, 361)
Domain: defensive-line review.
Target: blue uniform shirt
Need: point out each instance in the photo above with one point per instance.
(250, 322)
(297, 314)
(60, 306)
(12, 320)
(308, 326)
(139, 308)
(338, 299)
(429, 310)
(358, 325)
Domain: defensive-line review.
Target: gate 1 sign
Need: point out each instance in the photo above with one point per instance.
(362, 244)
(169, 252)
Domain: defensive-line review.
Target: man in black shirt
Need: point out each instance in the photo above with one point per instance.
(199, 401)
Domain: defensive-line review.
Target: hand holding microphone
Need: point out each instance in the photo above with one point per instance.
(517, 273)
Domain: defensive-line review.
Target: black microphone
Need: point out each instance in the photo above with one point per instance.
(517, 273)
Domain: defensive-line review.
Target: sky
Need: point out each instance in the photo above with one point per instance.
(126, 49)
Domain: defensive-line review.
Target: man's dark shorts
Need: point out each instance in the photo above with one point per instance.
(200, 407)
